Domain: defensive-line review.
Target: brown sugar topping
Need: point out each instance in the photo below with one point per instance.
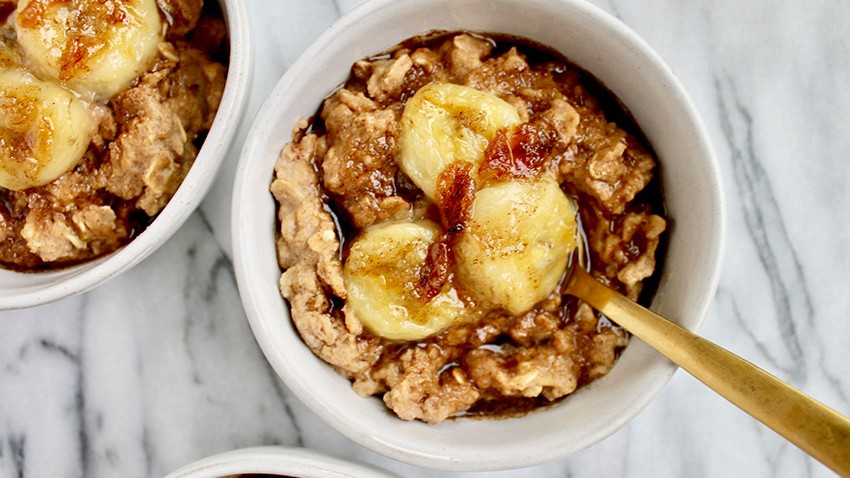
(517, 154)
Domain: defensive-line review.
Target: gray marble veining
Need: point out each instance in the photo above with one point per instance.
(158, 367)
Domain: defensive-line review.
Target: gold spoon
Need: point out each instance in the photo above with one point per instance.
(817, 429)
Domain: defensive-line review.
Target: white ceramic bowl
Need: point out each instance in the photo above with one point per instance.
(294, 462)
(613, 53)
(18, 290)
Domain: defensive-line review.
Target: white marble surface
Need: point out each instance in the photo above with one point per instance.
(158, 367)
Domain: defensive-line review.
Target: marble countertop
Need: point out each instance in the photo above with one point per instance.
(158, 367)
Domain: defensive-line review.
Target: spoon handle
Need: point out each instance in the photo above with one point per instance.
(815, 428)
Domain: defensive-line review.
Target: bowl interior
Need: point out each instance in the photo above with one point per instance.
(18, 290)
(596, 42)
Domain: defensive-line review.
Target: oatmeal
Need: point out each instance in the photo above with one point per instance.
(427, 215)
(145, 119)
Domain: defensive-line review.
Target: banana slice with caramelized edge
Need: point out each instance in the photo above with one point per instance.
(382, 274)
(44, 130)
(443, 123)
(515, 247)
(96, 47)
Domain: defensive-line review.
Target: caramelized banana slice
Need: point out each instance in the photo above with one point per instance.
(96, 47)
(44, 130)
(516, 244)
(382, 278)
(443, 123)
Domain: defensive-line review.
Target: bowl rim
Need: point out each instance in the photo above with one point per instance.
(82, 277)
(242, 249)
(278, 460)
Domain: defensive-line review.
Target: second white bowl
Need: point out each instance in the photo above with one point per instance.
(274, 460)
(19, 289)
